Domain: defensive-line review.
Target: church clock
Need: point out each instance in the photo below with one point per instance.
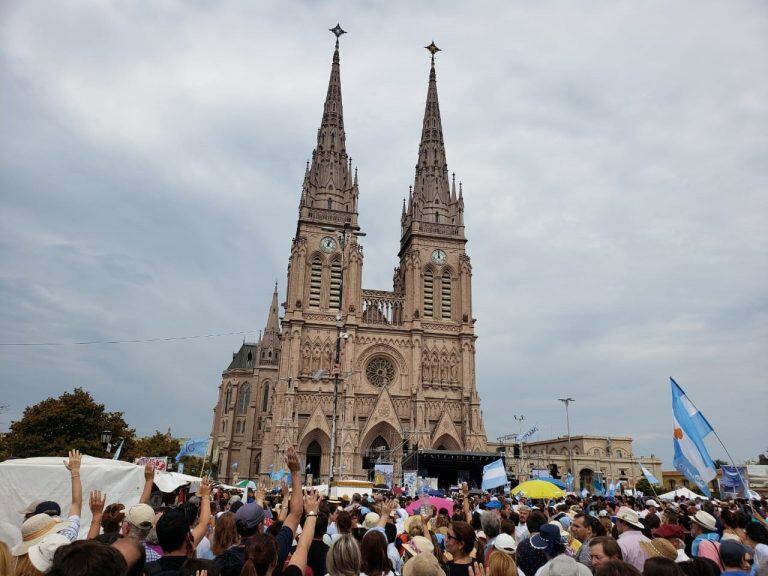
(438, 257)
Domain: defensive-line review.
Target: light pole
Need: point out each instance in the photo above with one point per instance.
(343, 237)
(519, 418)
(567, 401)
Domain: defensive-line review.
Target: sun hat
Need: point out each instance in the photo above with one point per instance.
(564, 565)
(659, 547)
(410, 521)
(505, 543)
(424, 564)
(30, 509)
(371, 519)
(35, 528)
(629, 516)
(419, 544)
(41, 554)
(141, 516)
(705, 520)
(546, 539)
(669, 531)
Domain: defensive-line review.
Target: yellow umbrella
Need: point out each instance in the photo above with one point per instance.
(538, 489)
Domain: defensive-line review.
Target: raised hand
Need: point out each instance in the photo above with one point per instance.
(311, 501)
(149, 471)
(292, 460)
(96, 502)
(476, 569)
(73, 462)
(205, 488)
(284, 490)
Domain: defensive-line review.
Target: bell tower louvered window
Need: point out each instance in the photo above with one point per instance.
(429, 294)
(445, 293)
(315, 282)
(335, 294)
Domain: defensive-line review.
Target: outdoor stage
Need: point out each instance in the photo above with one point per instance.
(450, 467)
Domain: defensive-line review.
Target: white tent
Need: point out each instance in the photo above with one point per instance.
(682, 492)
(28, 479)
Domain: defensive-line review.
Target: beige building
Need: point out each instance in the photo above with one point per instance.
(610, 458)
(406, 369)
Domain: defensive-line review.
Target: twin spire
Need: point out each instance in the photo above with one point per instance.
(330, 189)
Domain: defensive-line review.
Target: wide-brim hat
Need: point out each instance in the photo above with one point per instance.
(659, 547)
(629, 516)
(409, 522)
(419, 544)
(705, 520)
(41, 554)
(37, 527)
(546, 539)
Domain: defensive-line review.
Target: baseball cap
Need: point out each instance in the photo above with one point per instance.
(48, 507)
(650, 502)
(669, 531)
(141, 516)
(250, 514)
(505, 543)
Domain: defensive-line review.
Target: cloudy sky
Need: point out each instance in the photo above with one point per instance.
(613, 156)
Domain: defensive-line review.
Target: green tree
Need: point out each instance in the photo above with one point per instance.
(159, 444)
(192, 465)
(74, 420)
(644, 486)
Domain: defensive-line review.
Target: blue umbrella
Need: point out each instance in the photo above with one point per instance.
(438, 493)
(555, 481)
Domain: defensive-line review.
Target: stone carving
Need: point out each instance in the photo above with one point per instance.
(380, 371)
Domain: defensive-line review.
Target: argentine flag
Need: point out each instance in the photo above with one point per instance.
(690, 429)
(648, 476)
(494, 475)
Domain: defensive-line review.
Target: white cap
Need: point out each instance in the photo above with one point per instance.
(652, 503)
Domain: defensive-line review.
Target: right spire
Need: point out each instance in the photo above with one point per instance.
(432, 199)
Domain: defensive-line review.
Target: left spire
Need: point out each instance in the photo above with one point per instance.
(329, 187)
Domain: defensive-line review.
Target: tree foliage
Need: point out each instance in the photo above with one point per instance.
(159, 444)
(74, 420)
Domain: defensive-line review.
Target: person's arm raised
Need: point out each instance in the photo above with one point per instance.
(73, 465)
(205, 511)
(149, 480)
(96, 503)
(294, 514)
(311, 507)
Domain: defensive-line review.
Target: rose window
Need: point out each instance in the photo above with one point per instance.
(380, 371)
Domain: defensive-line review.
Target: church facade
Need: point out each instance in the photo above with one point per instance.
(352, 376)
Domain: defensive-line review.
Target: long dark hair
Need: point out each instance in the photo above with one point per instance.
(260, 555)
(374, 560)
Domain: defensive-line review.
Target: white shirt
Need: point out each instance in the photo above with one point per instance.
(521, 533)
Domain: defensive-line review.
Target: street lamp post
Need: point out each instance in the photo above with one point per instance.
(343, 237)
(567, 401)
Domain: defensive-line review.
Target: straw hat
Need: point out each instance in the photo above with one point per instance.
(419, 544)
(630, 517)
(371, 520)
(424, 564)
(705, 520)
(659, 547)
(35, 528)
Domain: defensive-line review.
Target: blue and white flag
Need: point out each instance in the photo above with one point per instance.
(584, 493)
(494, 475)
(569, 482)
(690, 429)
(648, 476)
(119, 449)
(193, 447)
(612, 489)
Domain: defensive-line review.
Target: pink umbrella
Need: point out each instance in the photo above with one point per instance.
(435, 501)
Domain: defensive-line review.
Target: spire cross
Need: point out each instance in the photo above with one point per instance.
(337, 31)
(433, 49)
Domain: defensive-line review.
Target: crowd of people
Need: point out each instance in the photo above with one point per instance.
(296, 532)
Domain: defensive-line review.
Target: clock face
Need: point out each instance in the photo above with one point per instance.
(328, 244)
(438, 257)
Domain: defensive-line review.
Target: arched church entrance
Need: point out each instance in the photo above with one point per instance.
(585, 479)
(314, 459)
(381, 445)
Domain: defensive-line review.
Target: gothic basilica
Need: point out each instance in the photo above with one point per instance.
(348, 375)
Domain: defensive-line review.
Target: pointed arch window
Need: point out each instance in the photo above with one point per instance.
(429, 293)
(335, 294)
(445, 296)
(330, 204)
(243, 398)
(227, 398)
(316, 278)
(265, 397)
